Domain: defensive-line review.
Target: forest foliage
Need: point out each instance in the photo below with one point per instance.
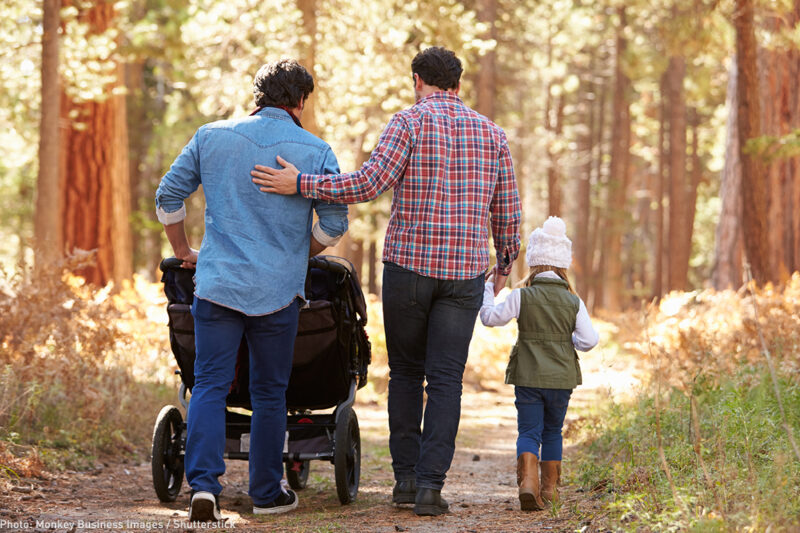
(557, 76)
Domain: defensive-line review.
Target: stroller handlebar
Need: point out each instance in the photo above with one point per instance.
(323, 262)
(171, 263)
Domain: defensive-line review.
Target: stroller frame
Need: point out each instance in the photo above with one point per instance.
(331, 330)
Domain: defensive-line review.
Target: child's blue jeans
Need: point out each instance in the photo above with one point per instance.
(540, 417)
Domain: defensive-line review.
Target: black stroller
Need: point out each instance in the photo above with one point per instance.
(331, 357)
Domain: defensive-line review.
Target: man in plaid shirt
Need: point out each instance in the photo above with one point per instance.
(451, 172)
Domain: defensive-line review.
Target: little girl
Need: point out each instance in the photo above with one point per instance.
(543, 367)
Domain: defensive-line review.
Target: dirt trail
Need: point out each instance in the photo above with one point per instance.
(481, 485)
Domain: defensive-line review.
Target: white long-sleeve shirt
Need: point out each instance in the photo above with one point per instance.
(584, 338)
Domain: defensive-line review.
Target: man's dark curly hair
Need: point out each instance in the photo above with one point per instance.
(282, 83)
(438, 66)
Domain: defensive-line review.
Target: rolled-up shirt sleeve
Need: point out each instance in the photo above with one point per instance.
(179, 183)
(332, 223)
(505, 213)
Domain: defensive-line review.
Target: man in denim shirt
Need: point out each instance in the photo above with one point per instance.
(250, 277)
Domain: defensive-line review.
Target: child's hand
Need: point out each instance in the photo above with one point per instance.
(499, 283)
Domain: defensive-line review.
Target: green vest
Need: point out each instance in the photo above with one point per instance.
(544, 356)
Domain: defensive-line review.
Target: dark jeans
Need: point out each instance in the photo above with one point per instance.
(429, 324)
(540, 417)
(218, 332)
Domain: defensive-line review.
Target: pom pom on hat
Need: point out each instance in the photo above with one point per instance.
(549, 245)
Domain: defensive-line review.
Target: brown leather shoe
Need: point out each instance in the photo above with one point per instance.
(528, 482)
(551, 476)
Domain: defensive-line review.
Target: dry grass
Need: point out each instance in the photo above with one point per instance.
(713, 333)
(82, 368)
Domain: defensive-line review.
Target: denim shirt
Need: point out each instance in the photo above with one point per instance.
(254, 253)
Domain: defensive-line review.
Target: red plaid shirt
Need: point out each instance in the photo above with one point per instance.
(451, 171)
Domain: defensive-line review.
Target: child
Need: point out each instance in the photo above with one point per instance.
(543, 367)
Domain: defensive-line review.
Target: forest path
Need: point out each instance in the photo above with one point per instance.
(481, 484)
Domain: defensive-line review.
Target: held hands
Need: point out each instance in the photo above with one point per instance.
(498, 279)
(280, 181)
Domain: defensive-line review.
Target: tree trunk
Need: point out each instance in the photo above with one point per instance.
(753, 179)
(597, 229)
(308, 8)
(619, 177)
(678, 264)
(692, 186)
(793, 100)
(94, 156)
(658, 282)
(487, 64)
(47, 220)
(553, 173)
(372, 260)
(582, 264)
(770, 66)
(518, 145)
(727, 270)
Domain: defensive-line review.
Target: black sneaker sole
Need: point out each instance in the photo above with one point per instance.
(202, 511)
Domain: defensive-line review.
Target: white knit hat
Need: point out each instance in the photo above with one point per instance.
(549, 245)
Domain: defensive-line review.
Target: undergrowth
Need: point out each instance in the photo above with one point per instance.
(730, 465)
(83, 371)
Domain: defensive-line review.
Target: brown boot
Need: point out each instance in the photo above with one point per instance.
(528, 482)
(551, 476)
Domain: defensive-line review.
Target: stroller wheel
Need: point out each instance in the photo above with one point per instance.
(167, 460)
(297, 474)
(347, 456)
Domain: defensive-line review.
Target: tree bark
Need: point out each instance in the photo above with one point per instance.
(597, 230)
(727, 270)
(487, 64)
(770, 63)
(372, 260)
(553, 172)
(793, 101)
(753, 179)
(678, 264)
(308, 8)
(692, 186)
(47, 220)
(582, 263)
(619, 177)
(94, 156)
(658, 282)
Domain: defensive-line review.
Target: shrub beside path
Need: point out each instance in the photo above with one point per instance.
(481, 486)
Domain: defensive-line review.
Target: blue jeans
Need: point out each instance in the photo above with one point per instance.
(429, 325)
(540, 418)
(218, 332)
